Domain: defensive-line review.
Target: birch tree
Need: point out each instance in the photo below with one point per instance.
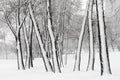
(28, 42)
(82, 32)
(91, 40)
(104, 55)
(16, 32)
(47, 63)
(55, 56)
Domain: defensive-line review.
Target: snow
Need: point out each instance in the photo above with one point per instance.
(8, 70)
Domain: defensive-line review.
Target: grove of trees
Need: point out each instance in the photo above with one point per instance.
(53, 28)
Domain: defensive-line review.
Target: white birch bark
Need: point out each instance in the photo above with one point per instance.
(105, 69)
(78, 54)
(46, 62)
(91, 44)
(55, 58)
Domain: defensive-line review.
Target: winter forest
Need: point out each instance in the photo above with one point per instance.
(59, 39)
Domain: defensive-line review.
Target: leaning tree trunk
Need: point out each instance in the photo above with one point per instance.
(55, 57)
(46, 62)
(78, 54)
(104, 56)
(91, 44)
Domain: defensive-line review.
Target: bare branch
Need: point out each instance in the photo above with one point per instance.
(10, 26)
(20, 26)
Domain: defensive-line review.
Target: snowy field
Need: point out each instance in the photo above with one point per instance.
(8, 70)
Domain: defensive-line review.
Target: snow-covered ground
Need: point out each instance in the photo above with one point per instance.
(8, 70)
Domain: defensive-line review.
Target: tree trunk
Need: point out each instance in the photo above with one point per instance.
(19, 48)
(46, 62)
(17, 35)
(61, 49)
(59, 42)
(30, 43)
(78, 54)
(55, 57)
(104, 56)
(60, 34)
(46, 37)
(91, 44)
(27, 64)
(19, 53)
